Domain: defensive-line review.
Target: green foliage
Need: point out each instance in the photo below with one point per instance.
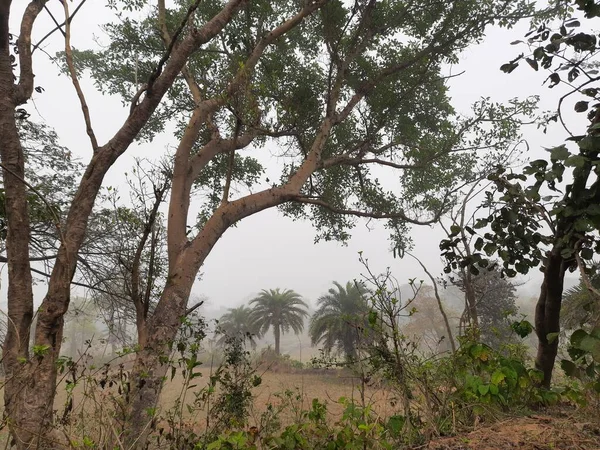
(341, 318)
(391, 54)
(584, 362)
(531, 210)
(486, 376)
(522, 328)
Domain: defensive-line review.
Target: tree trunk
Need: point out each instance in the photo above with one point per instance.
(277, 333)
(26, 420)
(547, 314)
(471, 298)
(150, 365)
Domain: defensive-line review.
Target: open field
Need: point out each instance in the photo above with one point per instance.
(540, 430)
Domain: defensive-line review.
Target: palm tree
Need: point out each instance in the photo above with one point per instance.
(237, 322)
(342, 313)
(281, 310)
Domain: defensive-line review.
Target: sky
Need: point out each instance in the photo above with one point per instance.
(267, 250)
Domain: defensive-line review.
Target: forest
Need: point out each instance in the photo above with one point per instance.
(136, 136)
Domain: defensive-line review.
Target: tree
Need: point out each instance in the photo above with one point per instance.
(80, 326)
(341, 319)
(495, 304)
(427, 326)
(233, 76)
(237, 322)
(280, 310)
(548, 214)
(126, 267)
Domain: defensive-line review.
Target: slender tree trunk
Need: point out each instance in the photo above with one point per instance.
(277, 333)
(471, 301)
(547, 314)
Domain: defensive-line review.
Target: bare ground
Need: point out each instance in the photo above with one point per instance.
(550, 431)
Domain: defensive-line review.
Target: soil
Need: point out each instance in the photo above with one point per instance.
(550, 431)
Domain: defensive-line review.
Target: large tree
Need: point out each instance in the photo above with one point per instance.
(280, 310)
(340, 89)
(547, 215)
(341, 322)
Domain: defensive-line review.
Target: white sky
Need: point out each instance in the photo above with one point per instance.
(268, 250)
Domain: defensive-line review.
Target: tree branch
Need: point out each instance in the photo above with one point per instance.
(373, 215)
(58, 27)
(71, 66)
(25, 87)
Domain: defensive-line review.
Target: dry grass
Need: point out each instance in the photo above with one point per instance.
(551, 430)
(327, 387)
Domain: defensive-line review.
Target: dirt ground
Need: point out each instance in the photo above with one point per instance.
(550, 431)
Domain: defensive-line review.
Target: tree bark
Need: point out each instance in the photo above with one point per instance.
(277, 333)
(26, 419)
(150, 367)
(547, 314)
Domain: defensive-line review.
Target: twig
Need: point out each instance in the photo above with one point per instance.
(194, 308)
(439, 301)
(41, 197)
(36, 46)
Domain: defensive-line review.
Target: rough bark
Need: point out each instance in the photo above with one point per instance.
(24, 377)
(547, 314)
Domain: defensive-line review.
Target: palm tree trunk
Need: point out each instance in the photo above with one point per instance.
(277, 333)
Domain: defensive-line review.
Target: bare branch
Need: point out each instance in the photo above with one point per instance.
(75, 283)
(75, 80)
(439, 300)
(41, 197)
(191, 309)
(373, 215)
(58, 27)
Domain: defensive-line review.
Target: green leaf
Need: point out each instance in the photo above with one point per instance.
(591, 345)
(483, 389)
(498, 377)
(551, 337)
(490, 248)
(587, 253)
(559, 153)
(577, 337)
(494, 389)
(532, 63)
(509, 67)
(577, 161)
(581, 106)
